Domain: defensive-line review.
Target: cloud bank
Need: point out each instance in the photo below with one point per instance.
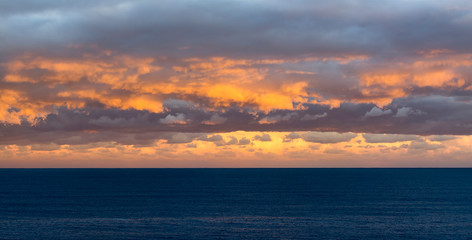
(147, 72)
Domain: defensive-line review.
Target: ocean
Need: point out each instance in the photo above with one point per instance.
(235, 203)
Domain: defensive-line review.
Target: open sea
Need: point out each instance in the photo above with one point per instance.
(235, 203)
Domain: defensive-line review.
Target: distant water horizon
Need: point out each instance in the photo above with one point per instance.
(227, 168)
(236, 203)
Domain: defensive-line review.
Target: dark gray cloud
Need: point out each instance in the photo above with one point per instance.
(263, 138)
(244, 141)
(330, 137)
(238, 28)
(441, 115)
(441, 138)
(392, 36)
(421, 145)
(388, 138)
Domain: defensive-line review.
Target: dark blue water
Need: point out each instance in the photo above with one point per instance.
(236, 204)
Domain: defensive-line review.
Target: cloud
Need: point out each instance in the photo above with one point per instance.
(309, 117)
(45, 147)
(212, 79)
(216, 139)
(171, 119)
(137, 72)
(219, 140)
(442, 115)
(177, 105)
(244, 141)
(263, 138)
(441, 138)
(422, 145)
(107, 121)
(231, 27)
(388, 138)
(376, 112)
(278, 118)
(327, 137)
(291, 136)
(179, 138)
(232, 141)
(192, 145)
(405, 111)
(215, 120)
(334, 151)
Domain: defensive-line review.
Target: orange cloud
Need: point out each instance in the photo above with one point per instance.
(125, 82)
(115, 70)
(14, 107)
(438, 68)
(223, 81)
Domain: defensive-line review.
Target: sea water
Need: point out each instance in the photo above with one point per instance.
(235, 203)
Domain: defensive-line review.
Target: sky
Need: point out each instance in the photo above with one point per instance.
(226, 83)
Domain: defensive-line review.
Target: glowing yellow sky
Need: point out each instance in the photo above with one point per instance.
(245, 149)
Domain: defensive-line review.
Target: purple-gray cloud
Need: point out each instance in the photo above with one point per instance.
(441, 115)
(238, 28)
(340, 50)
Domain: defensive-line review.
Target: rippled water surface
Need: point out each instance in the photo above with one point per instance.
(235, 203)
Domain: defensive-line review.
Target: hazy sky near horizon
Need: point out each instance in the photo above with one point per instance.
(235, 83)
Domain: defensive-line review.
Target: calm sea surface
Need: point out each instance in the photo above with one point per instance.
(235, 203)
